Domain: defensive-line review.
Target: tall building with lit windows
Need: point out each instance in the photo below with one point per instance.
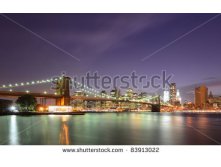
(173, 93)
(115, 93)
(178, 97)
(166, 96)
(129, 93)
(201, 96)
(103, 93)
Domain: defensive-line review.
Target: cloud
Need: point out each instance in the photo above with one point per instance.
(209, 78)
(107, 32)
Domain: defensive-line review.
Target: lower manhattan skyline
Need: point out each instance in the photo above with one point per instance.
(186, 46)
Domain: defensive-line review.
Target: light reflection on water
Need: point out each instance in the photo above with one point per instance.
(64, 133)
(112, 129)
(13, 131)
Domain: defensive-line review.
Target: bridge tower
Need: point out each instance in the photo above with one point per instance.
(63, 89)
(156, 107)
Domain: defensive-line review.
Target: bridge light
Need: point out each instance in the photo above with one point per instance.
(10, 90)
(10, 85)
(45, 92)
(27, 91)
(22, 84)
(3, 86)
(27, 83)
(16, 84)
(32, 82)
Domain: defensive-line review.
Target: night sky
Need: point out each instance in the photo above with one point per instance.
(112, 44)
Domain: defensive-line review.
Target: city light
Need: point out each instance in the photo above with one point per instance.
(166, 96)
(60, 109)
(41, 109)
(13, 109)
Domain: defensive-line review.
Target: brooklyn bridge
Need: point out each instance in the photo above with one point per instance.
(62, 96)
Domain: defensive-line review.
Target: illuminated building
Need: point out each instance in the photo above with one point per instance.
(60, 109)
(214, 101)
(166, 96)
(143, 95)
(103, 93)
(115, 93)
(79, 93)
(135, 96)
(201, 96)
(188, 105)
(173, 93)
(129, 93)
(178, 97)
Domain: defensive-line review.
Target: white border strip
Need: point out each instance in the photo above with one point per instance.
(109, 6)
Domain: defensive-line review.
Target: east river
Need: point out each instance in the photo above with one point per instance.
(112, 129)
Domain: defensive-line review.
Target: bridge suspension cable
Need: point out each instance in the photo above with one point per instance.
(30, 83)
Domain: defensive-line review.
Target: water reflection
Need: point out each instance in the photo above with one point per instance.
(13, 130)
(64, 132)
(112, 129)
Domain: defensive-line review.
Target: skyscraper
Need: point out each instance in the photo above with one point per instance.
(173, 93)
(201, 96)
(129, 93)
(166, 96)
(115, 93)
(178, 97)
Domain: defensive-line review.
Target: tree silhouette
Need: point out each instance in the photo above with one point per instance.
(27, 103)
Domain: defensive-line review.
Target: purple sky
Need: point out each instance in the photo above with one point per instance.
(112, 44)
